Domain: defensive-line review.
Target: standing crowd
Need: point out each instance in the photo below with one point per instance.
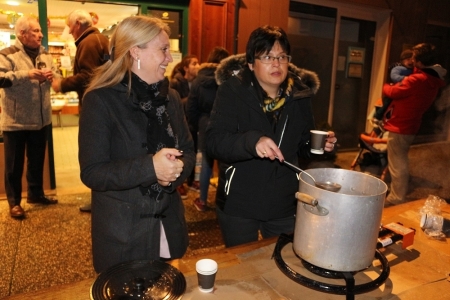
(141, 132)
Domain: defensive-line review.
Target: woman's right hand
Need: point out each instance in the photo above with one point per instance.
(266, 147)
(167, 166)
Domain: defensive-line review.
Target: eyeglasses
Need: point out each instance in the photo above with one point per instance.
(267, 59)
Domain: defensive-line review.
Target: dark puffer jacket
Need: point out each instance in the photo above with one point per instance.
(258, 188)
(201, 99)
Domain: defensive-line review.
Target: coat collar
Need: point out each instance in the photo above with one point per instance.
(235, 64)
(87, 32)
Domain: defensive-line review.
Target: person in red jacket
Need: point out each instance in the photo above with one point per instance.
(411, 99)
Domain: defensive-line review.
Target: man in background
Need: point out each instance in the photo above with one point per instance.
(26, 120)
(92, 51)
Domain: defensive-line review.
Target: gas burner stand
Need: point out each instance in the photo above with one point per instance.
(349, 289)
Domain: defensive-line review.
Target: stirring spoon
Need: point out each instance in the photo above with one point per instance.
(329, 186)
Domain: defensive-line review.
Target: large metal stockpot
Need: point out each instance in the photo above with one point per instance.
(338, 230)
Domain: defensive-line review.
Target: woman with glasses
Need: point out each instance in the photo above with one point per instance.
(262, 116)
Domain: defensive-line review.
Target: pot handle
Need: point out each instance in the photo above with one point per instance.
(312, 204)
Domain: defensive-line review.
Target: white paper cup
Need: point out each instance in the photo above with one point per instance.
(206, 274)
(318, 139)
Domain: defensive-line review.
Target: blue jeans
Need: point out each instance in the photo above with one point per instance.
(238, 230)
(205, 176)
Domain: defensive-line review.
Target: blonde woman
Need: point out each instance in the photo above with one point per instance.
(135, 149)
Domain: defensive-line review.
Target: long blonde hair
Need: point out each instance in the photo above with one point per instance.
(130, 32)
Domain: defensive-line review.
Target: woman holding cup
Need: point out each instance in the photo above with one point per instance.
(262, 115)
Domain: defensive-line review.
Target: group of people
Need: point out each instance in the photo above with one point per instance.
(196, 84)
(252, 111)
(28, 73)
(136, 147)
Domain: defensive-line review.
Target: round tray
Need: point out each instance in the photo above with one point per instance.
(143, 279)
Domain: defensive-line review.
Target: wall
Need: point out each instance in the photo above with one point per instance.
(211, 24)
(255, 13)
(410, 19)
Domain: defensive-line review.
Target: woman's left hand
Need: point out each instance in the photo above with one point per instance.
(167, 167)
(330, 141)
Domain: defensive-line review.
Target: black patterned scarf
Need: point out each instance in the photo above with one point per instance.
(152, 100)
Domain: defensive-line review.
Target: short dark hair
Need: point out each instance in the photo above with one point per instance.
(179, 67)
(262, 39)
(425, 53)
(217, 54)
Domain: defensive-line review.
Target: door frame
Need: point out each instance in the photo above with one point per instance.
(383, 19)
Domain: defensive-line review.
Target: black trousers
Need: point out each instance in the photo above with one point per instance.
(16, 145)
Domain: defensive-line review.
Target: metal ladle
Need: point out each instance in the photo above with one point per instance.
(327, 185)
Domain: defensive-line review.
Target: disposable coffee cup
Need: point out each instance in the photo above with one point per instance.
(206, 274)
(318, 139)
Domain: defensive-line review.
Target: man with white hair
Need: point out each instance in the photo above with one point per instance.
(27, 71)
(92, 51)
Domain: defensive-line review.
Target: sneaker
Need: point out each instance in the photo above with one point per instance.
(199, 205)
(182, 191)
(195, 186)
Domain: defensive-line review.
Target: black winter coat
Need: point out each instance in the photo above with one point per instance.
(200, 101)
(114, 164)
(258, 188)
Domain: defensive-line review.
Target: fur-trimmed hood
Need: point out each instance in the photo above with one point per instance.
(208, 65)
(233, 65)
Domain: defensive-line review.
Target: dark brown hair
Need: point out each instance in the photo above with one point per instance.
(425, 53)
(217, 54)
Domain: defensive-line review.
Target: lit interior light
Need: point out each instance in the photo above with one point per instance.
(12, 3)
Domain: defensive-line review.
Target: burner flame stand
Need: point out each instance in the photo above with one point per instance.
(350, 289)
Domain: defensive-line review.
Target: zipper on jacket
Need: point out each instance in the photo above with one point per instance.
(42, 104)
(40, 65)
(282, 132)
